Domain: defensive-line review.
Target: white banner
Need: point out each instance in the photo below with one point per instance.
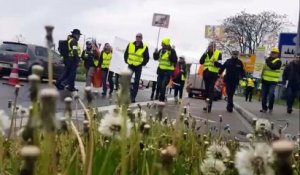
(260, 61)
(118, 64)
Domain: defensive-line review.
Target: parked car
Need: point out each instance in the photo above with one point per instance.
(28, 55)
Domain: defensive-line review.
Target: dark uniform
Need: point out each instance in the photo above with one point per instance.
(71, 62)
(234, 72)
(210, 60)
(136, 56)
(180, 79)
(167, 58)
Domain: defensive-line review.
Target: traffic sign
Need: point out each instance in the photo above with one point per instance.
(287, 45)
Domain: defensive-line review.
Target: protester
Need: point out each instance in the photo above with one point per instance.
(211, 60)
(179, 79)
(249, 89)
(90, 61)
(136, 56)
(270, 77)
(105, 58)
(167, 58)
(291, 78)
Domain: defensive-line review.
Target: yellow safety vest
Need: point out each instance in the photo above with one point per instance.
(164, 61)
(71, 49)
(250, 82)
(106, 59)
(271, 75)
(135, 58)
(242, 83)
(183, 77)
(209, 62)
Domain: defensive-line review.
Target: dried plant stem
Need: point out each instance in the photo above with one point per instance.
(13, 120)
(90, 153)
(81, 146)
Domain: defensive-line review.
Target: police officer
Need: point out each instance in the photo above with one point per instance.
(167, 58)
(71, 62)
(270, 77)
(136, 56)
(91, 61)
(234, 72)
(211, 60)
(107, 75)
(249, 88)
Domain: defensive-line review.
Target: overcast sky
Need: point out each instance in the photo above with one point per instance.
(105, 19)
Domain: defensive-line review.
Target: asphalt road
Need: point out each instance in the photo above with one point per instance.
(236, 123)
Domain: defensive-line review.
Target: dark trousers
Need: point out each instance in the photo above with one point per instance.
(153, 89)
(163, 79)
(291, 94)
(230, 89)
(137, 70)
(210, 79)
(267, 91)
(248, 93)
(117, 76)
(178, 88)
(107, 76)
(69, 74)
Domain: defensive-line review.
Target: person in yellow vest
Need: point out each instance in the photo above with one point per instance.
(105, 58)
(167, 59)
(249, 88)
(90, 61)
(71, 63)
(270, 77)
(211, 60)
(136, 56)
(179, 79)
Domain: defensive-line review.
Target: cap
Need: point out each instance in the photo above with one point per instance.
(76, 31)
(235, 52)
(181, 57)
(166, 41)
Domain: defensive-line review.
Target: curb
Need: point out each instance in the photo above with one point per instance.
(248, 116)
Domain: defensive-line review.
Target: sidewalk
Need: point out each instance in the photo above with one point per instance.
(279, 116)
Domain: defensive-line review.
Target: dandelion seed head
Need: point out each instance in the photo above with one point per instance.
(212, 166)
(263, 125)
(216, 151)
(30, 151)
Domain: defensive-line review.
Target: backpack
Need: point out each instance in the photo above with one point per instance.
(63, 48)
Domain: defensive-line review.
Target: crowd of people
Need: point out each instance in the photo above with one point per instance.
(174, 70)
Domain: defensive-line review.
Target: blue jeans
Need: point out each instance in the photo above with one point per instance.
(291, 94)
(163, 79)
(267, 91)
(137, 75)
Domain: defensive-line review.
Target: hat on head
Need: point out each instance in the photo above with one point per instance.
(275, 50)
(235, 52)
(166, 41)
(181, 57)
(76, 31)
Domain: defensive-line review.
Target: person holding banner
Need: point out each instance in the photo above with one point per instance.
(270, 77)
(211, 60)
(136, 56)
(107, 75)
(167, 58)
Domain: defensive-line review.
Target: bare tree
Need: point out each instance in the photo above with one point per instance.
(246, 31)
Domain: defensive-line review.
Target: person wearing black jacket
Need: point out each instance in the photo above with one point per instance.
(71, 63)
(90, 61)
(211, 60)
(167, 58)
(179, 79)
(234, 72)
(291, 78)
(136, 56)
